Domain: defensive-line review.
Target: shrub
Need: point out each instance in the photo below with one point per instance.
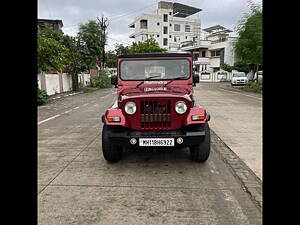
(101, 80)
(42, 97)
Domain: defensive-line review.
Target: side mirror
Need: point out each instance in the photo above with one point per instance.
(114, 80)
(196, 78)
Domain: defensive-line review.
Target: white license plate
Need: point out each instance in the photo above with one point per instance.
(156, 142)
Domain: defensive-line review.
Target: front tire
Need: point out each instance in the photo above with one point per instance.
(201, 152)
(111, 153)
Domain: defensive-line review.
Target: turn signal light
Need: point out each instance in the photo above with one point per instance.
(113, 119)
(198, 117)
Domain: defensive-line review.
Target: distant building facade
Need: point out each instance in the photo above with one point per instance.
(168, 25)
(55, 24)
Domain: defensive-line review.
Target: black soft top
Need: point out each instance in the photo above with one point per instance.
(154, 54)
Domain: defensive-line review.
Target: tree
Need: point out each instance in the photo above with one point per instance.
(249, 44)
(111, 59)
(150, 45)
(120, 49)
(89, 36)
(51, 53)
(242, 66)
(77, 59)
(226, 67)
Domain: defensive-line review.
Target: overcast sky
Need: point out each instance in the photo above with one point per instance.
(120, 13)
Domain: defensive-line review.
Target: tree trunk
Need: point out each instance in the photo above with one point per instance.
(75, 85)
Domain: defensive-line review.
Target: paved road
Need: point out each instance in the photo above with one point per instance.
(77, 186)
(237, 119)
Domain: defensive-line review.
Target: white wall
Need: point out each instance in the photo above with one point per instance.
(39, 81)
(67, 82)
(52, 83)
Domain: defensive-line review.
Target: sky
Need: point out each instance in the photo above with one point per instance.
(121, 13)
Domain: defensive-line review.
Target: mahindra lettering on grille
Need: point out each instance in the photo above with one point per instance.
(156, 114)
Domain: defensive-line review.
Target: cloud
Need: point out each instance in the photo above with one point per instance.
(122, 12)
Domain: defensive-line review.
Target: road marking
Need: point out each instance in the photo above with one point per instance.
(53, 117)
(241, 93)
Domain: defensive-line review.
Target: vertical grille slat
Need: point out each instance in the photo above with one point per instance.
(155, 114)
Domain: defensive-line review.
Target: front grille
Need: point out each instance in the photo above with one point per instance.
(156, 114)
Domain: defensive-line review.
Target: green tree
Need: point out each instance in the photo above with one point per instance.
(249, 44)
(120, 49)
(51, 53)
(111, 59)
(89, 36)
(242, 66)
(226, 67)
(147, 46)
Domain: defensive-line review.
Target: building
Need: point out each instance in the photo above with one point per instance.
(168, 25)
(55, 24)
(209, 54)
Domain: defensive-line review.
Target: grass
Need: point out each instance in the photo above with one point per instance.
(89, 89)
(253, 87)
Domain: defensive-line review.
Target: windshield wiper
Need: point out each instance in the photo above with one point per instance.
(176, 78)
(148, 78)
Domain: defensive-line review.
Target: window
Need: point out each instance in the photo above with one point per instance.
(176, 27)
(170, 24)
(165, 41)
(203, 53)
(170, 13)
(185, 37)
(157, 35)
(158, 24)
(177, 39)
(165, 30)
(187, 28)
(143, 24)
(170, 36)
(215, 53)
(139, 69)
(165, 17)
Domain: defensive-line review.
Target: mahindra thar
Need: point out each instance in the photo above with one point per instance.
(155, 107)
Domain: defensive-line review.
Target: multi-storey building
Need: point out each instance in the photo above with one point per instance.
(168, 25)
(55, 24)
(209, 54)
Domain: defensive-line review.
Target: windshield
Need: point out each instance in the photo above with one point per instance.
(241, 74)
(163, 69)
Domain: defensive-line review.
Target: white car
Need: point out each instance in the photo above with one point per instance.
(259, 74)
(239, 78)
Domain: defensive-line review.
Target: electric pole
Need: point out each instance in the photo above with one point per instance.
(103, 25)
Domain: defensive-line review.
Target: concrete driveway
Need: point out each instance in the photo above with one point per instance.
(236, 117)
(77, 186)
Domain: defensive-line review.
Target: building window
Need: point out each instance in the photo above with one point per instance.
(165, 30)
(165, 17)
(177, 39)
(170, 24)
(157, 35)
(170, 13)
(203, 53)
(215, 53)
(176, 27)
(170, 36)
(158, 24)
(187, 28)
(165, 41)
(185, 37)
(143, 24)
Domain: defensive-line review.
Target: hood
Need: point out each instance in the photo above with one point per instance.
(155, 90)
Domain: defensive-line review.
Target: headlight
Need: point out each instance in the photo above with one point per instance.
(180, 107)
(130, 108)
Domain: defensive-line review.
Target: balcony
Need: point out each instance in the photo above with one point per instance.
(203, 60)
(189, 45)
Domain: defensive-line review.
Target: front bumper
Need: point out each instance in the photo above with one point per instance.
(190, 138)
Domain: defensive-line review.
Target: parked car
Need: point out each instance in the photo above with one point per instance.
(155, 107)
(259, 74)
(239, 78)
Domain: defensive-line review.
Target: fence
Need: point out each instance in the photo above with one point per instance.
(54, 83)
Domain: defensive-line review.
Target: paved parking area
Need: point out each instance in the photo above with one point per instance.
(77, 186)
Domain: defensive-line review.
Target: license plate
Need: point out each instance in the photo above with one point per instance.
(156, 142)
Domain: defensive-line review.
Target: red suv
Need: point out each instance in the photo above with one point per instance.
(155, 107)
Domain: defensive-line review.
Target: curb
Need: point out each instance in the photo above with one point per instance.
(250, 182)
